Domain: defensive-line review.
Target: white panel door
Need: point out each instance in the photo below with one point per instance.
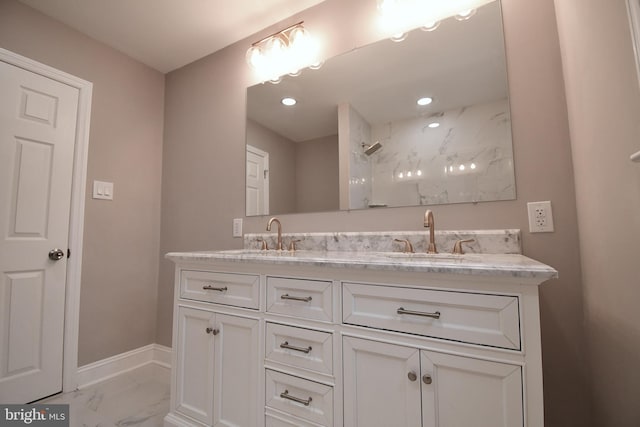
(381, 384)
(37, 137)
(236, 355)
(194, 365)
(462, 391)
(257, 181)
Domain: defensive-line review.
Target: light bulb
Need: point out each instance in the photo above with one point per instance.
(465, 14)
(399, 37)
(275, 47)
(299, 38)
(434, 125)
(254, 57)
(424, 101)
(387, 6)
(461, 167)
(419, 172)
(473, 166)
(430, 26)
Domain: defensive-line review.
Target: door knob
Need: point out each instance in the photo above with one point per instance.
(426, 378)
(412, 376)
(212, 331)
(56, 254)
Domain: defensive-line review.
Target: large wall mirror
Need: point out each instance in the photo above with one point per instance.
(357, 137)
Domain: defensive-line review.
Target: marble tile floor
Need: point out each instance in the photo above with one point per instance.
(138, 398)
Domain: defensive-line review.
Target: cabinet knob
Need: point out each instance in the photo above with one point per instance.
(212, 331)
(426, 378)
(412, 376)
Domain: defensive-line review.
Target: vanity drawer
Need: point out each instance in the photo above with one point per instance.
(272, 420)
(299, 347)
(310, 299)
(302, 398)
(491, 320)
(240, 290)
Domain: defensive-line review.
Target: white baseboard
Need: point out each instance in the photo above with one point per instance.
(120, 363)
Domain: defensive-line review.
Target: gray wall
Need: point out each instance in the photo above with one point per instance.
(203, 175)
(603, 99)
(282, 158)
(317, 175)
(121, 238)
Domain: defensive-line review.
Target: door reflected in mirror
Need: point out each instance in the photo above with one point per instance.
(421, 122)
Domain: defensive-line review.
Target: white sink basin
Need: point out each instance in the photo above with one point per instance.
(433, 257)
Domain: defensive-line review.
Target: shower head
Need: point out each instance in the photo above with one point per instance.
(370, 149)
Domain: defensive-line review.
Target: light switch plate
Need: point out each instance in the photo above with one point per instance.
(237, 227)
(103, 190)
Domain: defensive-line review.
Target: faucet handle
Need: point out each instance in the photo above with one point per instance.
(263, 245)
(408, 247)
(457, 248)
(292, 245)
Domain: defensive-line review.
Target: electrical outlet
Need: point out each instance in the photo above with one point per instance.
(540, 217)
(237, 227)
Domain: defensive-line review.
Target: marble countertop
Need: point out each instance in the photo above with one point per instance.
(511, 265)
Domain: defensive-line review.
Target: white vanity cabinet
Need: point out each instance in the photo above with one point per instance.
(283, 340)
(408, 385)
(216, 355)
(393, 385)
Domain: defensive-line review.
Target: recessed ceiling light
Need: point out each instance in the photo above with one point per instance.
(288, 102)
(425, 101)
(434, 125)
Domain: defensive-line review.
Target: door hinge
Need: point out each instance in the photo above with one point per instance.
(265, 173)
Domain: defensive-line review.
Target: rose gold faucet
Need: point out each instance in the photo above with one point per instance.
(430, 224)
(279, 246)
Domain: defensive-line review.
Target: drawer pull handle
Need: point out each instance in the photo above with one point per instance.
(291, 347)
(213, 288)
(286, 395)
(287, 296)
(435, 315)
(212, 331)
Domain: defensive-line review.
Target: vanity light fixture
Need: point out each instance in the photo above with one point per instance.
(398, 17)
(424, 101)
(288, 101)
(285, 52)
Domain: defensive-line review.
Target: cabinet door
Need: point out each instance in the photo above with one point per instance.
(235, 385)
(462, 391)
(381, 384)
(194, 367)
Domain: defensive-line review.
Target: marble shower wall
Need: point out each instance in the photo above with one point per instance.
(360, 172)
(467, 158)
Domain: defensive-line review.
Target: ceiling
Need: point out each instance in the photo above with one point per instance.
(168, 34)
